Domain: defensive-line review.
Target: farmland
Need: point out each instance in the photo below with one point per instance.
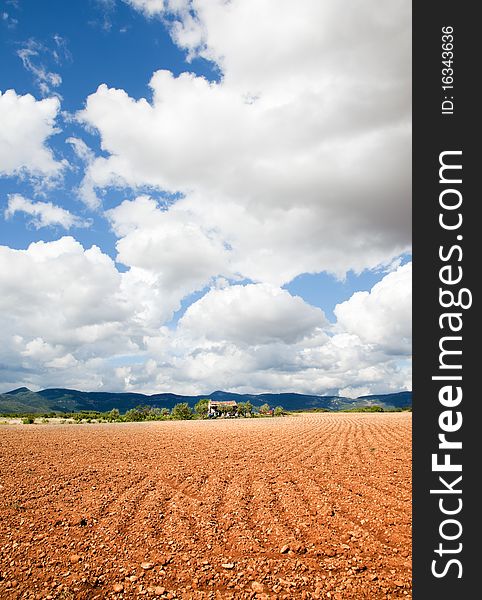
(308, 506)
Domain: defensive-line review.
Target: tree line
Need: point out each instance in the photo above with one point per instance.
(180, 412)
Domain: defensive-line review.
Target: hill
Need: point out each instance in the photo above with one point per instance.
(397, 400)
(22, 400)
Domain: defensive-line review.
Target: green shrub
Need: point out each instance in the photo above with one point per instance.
(201, 408)
(181, 411)
(28, 420)
(365, 409)
(134, 415)
(113, 415)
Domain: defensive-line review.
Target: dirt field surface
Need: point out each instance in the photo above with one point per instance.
(311, 506)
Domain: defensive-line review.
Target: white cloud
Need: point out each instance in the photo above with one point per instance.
(168, 253)
(35, 57)
(25, 126)
(46, 80)
(69, 309)
(259, 338)
(62, 308)
(63, 295)
(148, 7)
(44, 214)
(86, 190)
(83, 152)
(288, 43)
(382, 317)
(252, 314)
(297, 160)
(298, 157)
(70, 289)
(66, 312)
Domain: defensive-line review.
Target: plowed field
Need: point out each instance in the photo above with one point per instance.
(312, 506)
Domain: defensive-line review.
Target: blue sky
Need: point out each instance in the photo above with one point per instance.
(230, 184)
(102, 42)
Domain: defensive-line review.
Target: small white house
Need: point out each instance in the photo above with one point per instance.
(224, 408)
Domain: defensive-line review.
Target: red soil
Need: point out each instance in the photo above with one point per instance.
(313, 506)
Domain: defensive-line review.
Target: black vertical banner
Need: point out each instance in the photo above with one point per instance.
(446, 416)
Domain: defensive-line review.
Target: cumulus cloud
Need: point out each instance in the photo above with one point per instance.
(168, 243)
(70, 318)
(168, 254)
(25, 126)
(148, 7)
(251, 338)
(296, 160)
(252, 314)
(382, 317)
(61, 306)
(64, 283)
(297, 156)
(320, 362)
(44, 214)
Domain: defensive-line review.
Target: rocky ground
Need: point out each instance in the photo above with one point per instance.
(313, 506)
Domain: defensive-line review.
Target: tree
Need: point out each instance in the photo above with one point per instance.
(134, 414)
(279, 411)
(201, 408)
(113, 415)
(181, 411)
(242, 409)
(248, 408)
(264, 409)
(164, 412)
(154, 414)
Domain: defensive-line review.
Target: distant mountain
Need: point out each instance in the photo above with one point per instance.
(20, 390)
(397, 400)
(23, 400)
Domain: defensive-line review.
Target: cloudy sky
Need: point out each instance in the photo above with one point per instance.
(203, 194)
